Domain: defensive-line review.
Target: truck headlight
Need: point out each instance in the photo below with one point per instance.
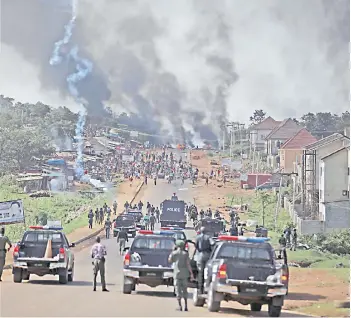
(273, 279)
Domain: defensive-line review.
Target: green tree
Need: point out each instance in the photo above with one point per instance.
(258, 116)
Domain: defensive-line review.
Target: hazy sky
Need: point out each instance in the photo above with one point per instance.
(193, 62)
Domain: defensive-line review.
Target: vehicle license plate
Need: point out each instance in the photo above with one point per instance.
(150, 274)
(251, 290)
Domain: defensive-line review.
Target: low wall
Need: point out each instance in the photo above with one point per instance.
(304, 227)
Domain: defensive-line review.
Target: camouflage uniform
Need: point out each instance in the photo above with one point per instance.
(3, 241)
(181, 274)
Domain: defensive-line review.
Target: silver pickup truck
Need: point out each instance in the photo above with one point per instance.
(29, 256)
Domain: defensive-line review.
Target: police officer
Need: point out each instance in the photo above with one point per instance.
(115, 207)
(108, 226)
(181, 272)
(91, 218)
(282, 243)
(157, 215)
(203, 246)
(152, 222)
(3, 241)
(122, 238)
(98, 253)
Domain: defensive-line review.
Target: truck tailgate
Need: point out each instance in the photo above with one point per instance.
(159, 258)
(239, 270)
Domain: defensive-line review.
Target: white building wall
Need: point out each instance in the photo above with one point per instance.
(334, 207)
(320, 153)
(258, 137)
(335, 176)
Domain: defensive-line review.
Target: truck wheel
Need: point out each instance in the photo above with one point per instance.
(256, 307)
(212, 304)
(127, 288)
(274, 311)
(71, 274)
(133, 287)
(63, 277)
(198, 302)
(17, 276)
(25, 276)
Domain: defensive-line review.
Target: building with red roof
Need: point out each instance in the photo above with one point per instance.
(291, 151)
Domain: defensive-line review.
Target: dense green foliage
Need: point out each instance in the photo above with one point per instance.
(337, 242)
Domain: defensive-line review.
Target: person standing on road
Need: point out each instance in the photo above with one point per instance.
(152, 222)
(98, 253)
(146, 221)
(3, 241)
(115, 207)
(181, 272)
(203, 245)
(157, 211)
(122, 238)
(108, 226)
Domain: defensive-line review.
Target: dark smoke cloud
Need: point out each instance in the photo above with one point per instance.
(186, 66)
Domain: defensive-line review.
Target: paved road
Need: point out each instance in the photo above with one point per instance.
(45, 297)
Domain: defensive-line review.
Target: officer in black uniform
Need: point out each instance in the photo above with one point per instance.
(203, 246)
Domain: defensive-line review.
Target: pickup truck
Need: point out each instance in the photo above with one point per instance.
(29, 256)
(245, 270)
(146, 261)
(127, 222)
(213, 227)
(136, 214)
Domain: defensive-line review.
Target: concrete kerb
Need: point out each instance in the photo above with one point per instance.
(83, 239)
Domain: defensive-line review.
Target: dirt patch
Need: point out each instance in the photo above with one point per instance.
(310, 285)
(215, 194)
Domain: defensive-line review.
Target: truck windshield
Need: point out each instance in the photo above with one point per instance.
(42, 237)
(153, 243)
(244, 253)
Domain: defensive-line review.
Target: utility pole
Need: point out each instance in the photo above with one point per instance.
(231, 125)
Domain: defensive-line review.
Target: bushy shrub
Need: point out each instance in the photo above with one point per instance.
(335, 242)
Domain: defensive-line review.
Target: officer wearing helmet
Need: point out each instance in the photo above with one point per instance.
(203, 246)
(181, 273)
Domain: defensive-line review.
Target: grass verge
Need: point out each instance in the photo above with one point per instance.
(70, 208)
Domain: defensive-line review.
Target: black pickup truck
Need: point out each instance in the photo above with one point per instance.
(213, 227)
(29, 256)
(173, 214)
(242, 271)
(146, 262)
(127, 222)
(136, 214)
